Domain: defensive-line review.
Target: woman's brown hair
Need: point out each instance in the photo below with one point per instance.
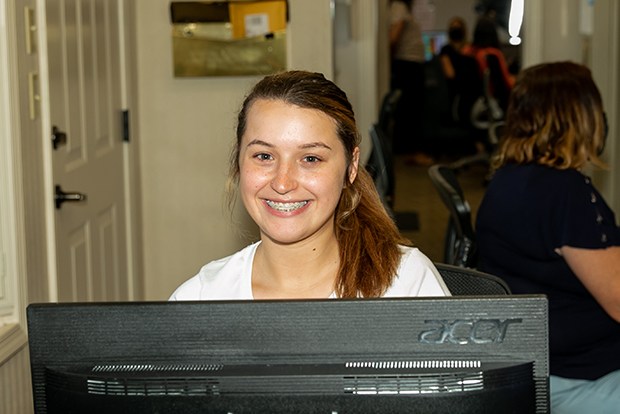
(555, 117)
(368, 238)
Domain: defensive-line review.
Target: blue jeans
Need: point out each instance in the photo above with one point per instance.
(575, 396)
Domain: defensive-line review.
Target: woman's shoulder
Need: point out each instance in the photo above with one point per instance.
(416, 276)
(542, 174)
(219, 279)
(414, 260)
(411, 253)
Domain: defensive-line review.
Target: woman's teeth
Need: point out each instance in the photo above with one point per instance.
(286, 207)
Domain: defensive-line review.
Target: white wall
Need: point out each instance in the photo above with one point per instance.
(357, 46)
(446, 10)
(186, 129)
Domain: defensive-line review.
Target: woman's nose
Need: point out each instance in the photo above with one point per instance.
(284, 179)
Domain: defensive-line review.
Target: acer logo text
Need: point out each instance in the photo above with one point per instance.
(466, 331)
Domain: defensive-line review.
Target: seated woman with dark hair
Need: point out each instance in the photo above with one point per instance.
(460, 70)
(544, 228)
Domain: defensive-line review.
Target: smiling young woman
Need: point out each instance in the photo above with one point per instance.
(324, 232)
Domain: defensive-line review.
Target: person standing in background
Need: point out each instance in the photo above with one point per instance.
(407, 74)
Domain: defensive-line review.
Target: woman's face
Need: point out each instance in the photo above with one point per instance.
(292, 170)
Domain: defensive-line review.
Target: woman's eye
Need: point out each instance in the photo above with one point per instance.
(312, 159)
(263, 157)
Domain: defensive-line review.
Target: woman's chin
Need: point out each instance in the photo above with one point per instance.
(283, 239)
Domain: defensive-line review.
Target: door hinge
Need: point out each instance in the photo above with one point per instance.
(126, 125)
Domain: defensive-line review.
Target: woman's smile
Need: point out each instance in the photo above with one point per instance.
(293, 168)
(286, 207)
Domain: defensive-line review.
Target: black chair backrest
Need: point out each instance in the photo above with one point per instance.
(499, 89)
(381, 165)
(460, 242)
(469, 87)
(387, 110)
(494, 110)
(490, 108)
(470, 282)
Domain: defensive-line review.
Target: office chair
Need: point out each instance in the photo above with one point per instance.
(487, 114)
(460, 241)
(381, 162)
(386, 112)
(491, 105)
(381, 167)
(498, 86)
(488, 111)
(470, 282)
(469, 87)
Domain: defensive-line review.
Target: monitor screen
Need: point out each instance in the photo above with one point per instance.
(433, 41)
(441, 355)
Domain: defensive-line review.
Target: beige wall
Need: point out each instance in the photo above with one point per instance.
(186, 128)
(604, 57)
(553, 31)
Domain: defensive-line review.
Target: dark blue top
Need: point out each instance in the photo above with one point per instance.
(528, 211)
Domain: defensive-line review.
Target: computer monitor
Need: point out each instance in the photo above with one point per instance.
(424, 355)
(433, 41)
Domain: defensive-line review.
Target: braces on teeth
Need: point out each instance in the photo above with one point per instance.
(286, 207)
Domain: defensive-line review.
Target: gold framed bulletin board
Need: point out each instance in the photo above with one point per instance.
(228, 38)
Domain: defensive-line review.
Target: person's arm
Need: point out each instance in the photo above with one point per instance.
(599, 271)
(446, 65)
(396, 30)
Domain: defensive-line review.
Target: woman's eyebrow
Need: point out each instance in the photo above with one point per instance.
(316, 144)
(259, 142)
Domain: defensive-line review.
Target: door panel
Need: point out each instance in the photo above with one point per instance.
(85, 102)
(109, 285)
(77, 280)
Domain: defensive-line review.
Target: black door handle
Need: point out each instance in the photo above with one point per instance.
(58, 137)
(60, 197)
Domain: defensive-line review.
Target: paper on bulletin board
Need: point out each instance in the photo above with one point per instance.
(257, 18)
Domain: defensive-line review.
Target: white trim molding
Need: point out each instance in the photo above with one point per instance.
(12, 263)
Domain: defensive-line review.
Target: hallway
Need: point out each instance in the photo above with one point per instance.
(415, 192)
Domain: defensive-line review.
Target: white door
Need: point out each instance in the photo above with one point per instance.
(87, 162)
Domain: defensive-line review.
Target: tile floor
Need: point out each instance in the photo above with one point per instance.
(415, 192)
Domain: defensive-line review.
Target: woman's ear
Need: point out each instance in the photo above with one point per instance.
(355, 160)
